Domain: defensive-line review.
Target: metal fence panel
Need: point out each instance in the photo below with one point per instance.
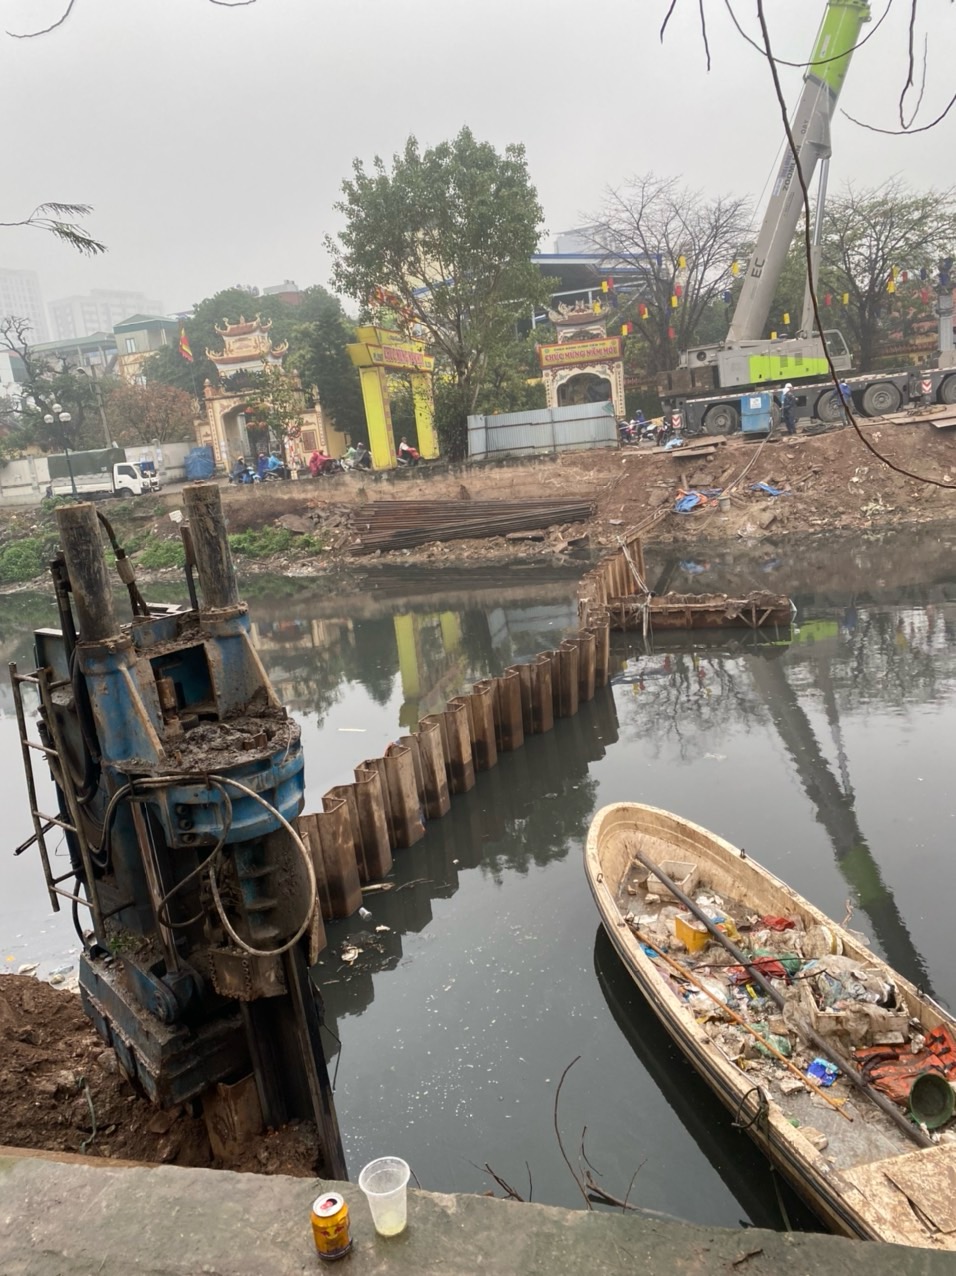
(580, 425)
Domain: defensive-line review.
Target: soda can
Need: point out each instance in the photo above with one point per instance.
(330, 1226)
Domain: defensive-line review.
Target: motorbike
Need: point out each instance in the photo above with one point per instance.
(328, 468)
(248, 475)
(628, 434)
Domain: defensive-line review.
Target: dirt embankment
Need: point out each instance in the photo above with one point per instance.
(830, 481)
(61, 1090)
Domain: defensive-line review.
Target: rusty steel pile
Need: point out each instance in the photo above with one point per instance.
(385, 525)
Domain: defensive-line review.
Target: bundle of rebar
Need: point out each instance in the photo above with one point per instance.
(386, 525)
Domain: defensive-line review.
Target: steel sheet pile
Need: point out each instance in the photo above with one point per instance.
(386, 525)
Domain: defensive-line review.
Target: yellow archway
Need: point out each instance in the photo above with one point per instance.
(377, 352)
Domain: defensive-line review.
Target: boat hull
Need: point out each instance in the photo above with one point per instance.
(842, 1205)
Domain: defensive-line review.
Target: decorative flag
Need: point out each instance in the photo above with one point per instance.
(773, 336)
(893, 273)
(678, 290)
(924, 295)
(827, 298)
(184, 347)
(673, 301)
(735, 268)
(924, 273)
(596, 307)
(642, 310)
(682, 262)
(626, 329)
(786, 317)
(604, 285)
(890, 286)
(904, 276)
(845, 298)
(671, 334)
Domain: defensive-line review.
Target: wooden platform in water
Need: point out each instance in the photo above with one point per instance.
(700, 611)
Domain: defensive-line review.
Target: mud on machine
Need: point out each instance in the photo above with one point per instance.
(178, 778)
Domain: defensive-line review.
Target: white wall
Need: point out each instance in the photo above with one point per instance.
(24, 481)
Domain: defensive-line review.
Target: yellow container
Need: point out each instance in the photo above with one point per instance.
(694, 938)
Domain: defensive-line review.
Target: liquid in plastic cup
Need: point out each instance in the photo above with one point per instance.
(385, 1183)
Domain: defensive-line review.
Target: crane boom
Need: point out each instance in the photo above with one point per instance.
(810, 126)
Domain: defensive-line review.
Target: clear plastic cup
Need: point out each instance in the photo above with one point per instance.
(385, 1183)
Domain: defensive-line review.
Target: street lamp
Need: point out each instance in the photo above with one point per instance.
(49, 418)
(90, 375)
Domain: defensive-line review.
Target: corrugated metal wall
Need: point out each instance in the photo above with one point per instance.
(585, 425)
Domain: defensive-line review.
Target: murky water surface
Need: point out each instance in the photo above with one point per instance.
(829, 759)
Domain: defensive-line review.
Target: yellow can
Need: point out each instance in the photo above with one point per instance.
(330, 1226)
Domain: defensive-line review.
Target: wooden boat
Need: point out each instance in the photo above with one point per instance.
(855, 1166)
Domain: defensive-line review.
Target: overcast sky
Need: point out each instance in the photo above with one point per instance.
(212, 142)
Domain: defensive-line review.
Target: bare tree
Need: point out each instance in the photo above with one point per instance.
(682, 244)
(871, 233)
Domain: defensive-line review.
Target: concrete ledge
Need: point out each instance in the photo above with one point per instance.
(58, 1218)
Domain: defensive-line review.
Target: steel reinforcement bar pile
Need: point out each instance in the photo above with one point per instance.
(385, 525)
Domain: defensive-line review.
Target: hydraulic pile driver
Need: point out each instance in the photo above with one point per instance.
(178, 779)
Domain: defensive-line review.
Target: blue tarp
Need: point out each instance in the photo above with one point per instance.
(765, 487)
(199, 464)
(689, 501)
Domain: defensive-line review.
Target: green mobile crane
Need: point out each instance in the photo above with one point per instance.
(706, 387)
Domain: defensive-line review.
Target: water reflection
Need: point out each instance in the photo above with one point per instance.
(524, 814)
(896, 659)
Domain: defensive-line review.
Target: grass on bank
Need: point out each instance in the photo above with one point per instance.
(262, 542)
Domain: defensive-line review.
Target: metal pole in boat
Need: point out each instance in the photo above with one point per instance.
(882, 1102)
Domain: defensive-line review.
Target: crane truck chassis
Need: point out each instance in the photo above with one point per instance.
(872, 394)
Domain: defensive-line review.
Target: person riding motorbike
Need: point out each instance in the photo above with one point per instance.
(319, 463)
(407, 454)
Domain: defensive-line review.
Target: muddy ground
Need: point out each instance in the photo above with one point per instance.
(61, 1090)
(831, 482)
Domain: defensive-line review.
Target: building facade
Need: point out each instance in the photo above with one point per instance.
(137, 339)
(20, 297)
(98, 311)
(229, 428)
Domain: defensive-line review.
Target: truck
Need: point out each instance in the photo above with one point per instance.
(103, 472)
(705, 389)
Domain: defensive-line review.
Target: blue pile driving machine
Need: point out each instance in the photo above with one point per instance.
(178, 779)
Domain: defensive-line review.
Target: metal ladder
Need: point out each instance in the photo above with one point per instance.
(43, 822)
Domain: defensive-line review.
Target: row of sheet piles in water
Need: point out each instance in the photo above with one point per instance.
(352, 838)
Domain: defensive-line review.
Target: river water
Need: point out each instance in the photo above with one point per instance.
(827, 758)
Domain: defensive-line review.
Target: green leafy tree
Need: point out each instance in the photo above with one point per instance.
(227, 306)
(317, 352)
(450, 231)
(275, 403)
(868, 232)
(142, 414)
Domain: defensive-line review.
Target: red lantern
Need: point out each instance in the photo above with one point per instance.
(827, 298)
